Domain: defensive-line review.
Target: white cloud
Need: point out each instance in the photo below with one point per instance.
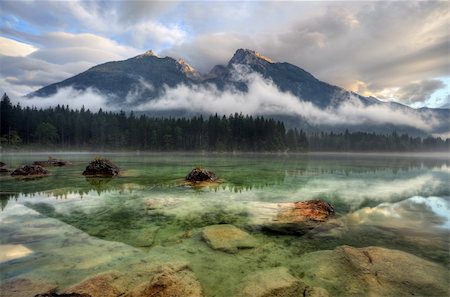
(371, 47)
(10, 47)
(91, 99)
(61, 47)
(60, 56)
(374, 47)
(156, 34)
(264, 98)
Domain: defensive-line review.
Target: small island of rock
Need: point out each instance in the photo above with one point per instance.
(101, 167)
(201, 175)
(30, 171)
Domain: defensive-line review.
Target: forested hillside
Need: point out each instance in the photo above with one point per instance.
(64, 128)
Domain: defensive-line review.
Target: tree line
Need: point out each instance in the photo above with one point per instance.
(61, 127)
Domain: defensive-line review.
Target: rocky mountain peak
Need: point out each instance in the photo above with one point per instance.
(150, 53)
(246, 56)
(188, 69)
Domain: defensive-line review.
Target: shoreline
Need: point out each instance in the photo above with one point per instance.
(414, 154)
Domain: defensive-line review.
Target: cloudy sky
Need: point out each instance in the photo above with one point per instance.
(394, 50)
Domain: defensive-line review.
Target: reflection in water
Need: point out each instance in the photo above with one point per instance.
(13, 251)
(316, 177)
(419, 225)
(78, 226)
(99, 183)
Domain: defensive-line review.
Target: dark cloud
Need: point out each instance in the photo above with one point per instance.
(44, 14)
(132, 11)
(28, 71)
(374, 47)
(419, 92)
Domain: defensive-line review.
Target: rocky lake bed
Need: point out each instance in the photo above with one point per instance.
(251, 225)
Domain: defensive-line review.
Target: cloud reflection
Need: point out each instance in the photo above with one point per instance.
(10, 252)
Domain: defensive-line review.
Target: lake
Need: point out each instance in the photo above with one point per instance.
(65, 227)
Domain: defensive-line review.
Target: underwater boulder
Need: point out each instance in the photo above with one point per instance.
(291, 217)
(277, 282)
(25, 287)
(374, 271)
(270, 283)
(101, 167)
(63, 295)
(227, 238)
(100, 285)
(30, 171)
(201, 175)
(170, 280)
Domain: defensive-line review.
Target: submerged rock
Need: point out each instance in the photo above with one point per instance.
(30, 170)
(291, 217)
(277, 282)
(63, 295)
(25, 287)
(374, 271)
(227, 238)
(169, 281)
(52, 162)
(101, 285)
(101, 167)
(270, 283)
(201, 175)
(315, 292)
(142, 237)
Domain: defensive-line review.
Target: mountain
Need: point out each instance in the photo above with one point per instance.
(287, 77)
(119, 79)
(146, 77)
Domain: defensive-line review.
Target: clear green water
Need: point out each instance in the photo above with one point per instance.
(75, 227)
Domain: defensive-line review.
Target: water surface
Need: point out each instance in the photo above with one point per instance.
(66, 227)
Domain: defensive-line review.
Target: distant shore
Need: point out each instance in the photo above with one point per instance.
(49, 152)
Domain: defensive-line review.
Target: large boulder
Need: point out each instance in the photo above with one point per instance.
(170, 280)
(101, 167)
(291, 217)
(374, 271)
(101, 285)
(277, 282)
(30, 171)
(25, 287)
(227, 238)
(201, 175)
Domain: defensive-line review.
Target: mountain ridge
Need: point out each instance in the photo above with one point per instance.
(118, 79)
